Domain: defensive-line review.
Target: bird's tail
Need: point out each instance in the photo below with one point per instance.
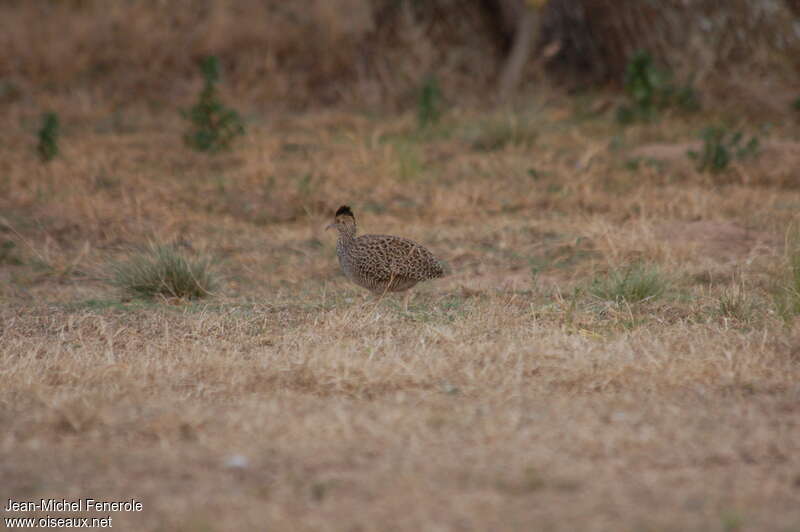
(444, 268)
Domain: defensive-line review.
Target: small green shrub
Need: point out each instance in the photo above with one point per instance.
(796, 104)
(720, 147)
(429, 103)
(634, 284)
(162, 270)
(48, 137)
(214, 126)
(650, 89)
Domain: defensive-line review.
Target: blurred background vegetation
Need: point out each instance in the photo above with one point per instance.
(315, 53)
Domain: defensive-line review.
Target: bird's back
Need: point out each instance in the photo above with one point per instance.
(384, 262)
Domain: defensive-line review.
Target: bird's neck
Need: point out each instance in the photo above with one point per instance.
(347, 235)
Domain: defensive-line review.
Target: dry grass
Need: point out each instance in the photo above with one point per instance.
(505, 398)
(369, 53)
(279, 54)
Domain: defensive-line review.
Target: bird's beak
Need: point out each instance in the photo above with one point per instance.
(329, 226)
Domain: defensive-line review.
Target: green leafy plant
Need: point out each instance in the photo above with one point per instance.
(161, 270)
(634, 284)
(214, 126)
(720, 147)
(48, 137)
(650, 89)
(429, 103)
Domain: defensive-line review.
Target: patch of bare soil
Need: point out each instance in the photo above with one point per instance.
(720, 241)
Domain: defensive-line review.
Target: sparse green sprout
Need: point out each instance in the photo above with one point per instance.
(48, 137)
(534, 174)
(787, 297)
(214, 126)
(720, 148)
(162, 270)
(796, 104)
(7, 253)
(210, 67)
(651, 89)
(429, 103)
(636, 163)
(731, 522)
(635, 284)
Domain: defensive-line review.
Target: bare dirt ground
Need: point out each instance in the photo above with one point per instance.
(509, 396)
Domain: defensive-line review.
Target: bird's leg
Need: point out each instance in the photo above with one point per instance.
(372, 299)
(388, 285)
(379, 297)
(406, 298)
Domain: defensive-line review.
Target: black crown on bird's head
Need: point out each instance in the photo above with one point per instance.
(344, 210)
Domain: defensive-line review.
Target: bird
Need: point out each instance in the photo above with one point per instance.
(382, 263)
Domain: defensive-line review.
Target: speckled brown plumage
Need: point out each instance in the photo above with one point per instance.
(382, 263)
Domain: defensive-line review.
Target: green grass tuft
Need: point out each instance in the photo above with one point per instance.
(634, 284)
(162, 271)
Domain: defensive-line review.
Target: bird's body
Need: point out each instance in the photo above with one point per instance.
(382, 263)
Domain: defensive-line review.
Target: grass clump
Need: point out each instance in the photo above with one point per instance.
(720, 147)
(635, 284)
(48, 137)
(650, 90)
(737, 304)
(163, 271)
(214, 126)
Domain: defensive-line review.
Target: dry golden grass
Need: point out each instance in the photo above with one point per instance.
(375, 53)
(281, 54)
(507, 397)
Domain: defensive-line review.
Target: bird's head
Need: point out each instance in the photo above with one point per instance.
(343, 220)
